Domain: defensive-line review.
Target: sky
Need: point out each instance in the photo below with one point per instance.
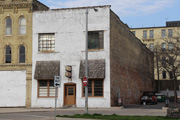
(135, 13)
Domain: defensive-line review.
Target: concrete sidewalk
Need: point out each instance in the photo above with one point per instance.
(104, 111)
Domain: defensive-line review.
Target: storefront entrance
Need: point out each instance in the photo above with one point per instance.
(70, 94)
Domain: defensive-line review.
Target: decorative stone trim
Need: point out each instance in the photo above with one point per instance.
(15, 65)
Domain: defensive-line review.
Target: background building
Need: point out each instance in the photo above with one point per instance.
(152, 36)
(119, 64)
(16, 51)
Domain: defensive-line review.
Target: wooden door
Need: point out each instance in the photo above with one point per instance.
(70, 95)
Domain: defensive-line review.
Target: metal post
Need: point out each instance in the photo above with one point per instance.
(55, 104)
(86, 64)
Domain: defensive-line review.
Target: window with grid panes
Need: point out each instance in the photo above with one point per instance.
(46, 88)
(96, 40)
(95, 88)
(46, 42)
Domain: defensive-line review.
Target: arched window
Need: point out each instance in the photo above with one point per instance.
(8, 54)
(22, 25)
(22, 54)
(8, 26)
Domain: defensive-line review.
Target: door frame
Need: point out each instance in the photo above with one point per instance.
(69, 84)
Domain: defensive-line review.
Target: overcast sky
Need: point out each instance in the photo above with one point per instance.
(136, 13)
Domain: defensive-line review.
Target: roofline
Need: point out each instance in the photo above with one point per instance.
(153, 27)
(42, 3)
(101, 6)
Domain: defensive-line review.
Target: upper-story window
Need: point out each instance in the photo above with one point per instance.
(46, 42)
(151, 34)
(8, 30)
(164, 74)
(151, 46)
(170, 46)
(170, 33)
(95, 40)
(8, 54)
(134, 32)
(145, 34)
(163, 33)
(22, 25)
(163, 46)
(22, 54)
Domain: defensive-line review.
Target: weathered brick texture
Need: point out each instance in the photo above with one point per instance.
(131, 64)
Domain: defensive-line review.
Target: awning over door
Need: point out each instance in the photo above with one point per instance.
(47, 69)
(96, 69)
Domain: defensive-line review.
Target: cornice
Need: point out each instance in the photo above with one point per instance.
(15, 6)
(15, 65)
(19, 5)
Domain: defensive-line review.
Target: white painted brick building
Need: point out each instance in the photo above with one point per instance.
(119, 64)
(68, 28)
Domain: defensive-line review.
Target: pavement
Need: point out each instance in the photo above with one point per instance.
(129, 111)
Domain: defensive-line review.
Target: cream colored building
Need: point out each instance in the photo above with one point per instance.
(152, 36)
(16, 51)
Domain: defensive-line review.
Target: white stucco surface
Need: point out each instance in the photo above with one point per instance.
(13, 88)
(69, 28)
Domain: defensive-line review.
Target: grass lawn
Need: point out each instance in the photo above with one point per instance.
(117, 117)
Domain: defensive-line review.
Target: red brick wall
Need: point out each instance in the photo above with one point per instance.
(131, 64)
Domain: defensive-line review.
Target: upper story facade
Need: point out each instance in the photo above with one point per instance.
(16, 30)
(152, 36)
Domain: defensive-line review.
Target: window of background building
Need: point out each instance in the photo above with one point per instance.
(95, 88)
(46, 42)
(46, 88)
(170, 33)
(134, 32)
(8, 54)
(163, 46)
(164, 74)
(22, 54)
(151, 46)
(170, 74)
(163, 61)
(163, 33)
(95, 40)
(170, 46)
(145, 34)
(8, 26)
(151, 34)
(22, 25)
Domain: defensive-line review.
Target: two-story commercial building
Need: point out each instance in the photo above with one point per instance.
(119, 64)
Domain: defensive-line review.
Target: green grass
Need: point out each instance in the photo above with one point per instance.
(117, 117)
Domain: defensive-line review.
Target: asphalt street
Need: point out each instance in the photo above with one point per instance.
(48, 114)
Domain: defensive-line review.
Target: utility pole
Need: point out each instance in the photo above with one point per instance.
(86, 64)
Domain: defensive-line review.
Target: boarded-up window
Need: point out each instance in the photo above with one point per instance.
(95, 88)
(46, 88)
